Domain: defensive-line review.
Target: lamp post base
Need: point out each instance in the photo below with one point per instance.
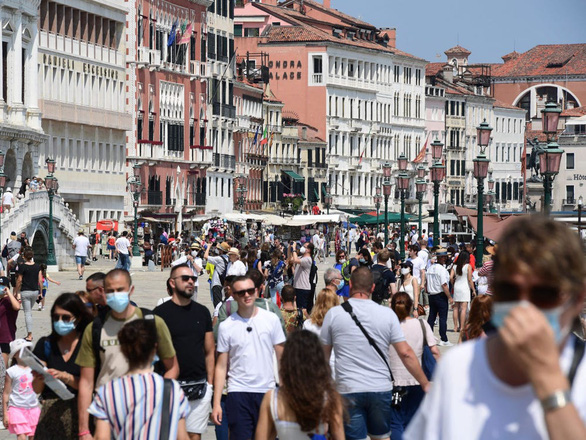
(136, 262)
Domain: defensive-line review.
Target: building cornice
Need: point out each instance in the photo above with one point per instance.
(205, 3)
(13, 133)
(541, 78)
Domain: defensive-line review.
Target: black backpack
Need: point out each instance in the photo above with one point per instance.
(381, 283)
(98, 324)
(300, 318)
(313, 275)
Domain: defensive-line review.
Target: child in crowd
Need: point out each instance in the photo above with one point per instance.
(46, 279)
(20, 404)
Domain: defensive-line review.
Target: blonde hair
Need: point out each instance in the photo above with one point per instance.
(326, 299)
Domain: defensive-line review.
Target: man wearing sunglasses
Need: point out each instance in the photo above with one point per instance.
(527, 379)
(190, 325)
(246, 341)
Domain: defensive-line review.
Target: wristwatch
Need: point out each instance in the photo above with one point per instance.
(556, 400)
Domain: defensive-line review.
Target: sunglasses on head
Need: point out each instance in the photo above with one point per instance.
(542, 296)
(186, 278)
(250, 291)
(61, 317)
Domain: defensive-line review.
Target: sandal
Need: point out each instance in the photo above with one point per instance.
(29, 339)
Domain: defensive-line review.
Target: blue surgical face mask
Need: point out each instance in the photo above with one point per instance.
(501, 309)
(341, 285)
(362, 260)
(63, 328)
(118, 301)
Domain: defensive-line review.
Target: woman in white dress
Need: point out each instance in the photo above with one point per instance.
(461, 277)
(408, 283)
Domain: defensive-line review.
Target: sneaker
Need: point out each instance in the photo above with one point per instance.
(81, 277)
(40, 307)
(445, 343)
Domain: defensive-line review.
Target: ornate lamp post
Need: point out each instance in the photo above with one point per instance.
(580, 205)
(328, 199)
(134, 185)
(481, 163)
(52, 186)
(403, 185)
(241, 190)
(2, 183)
(437, 174)
(551, 157)
(420, 186)
(377, 202)
(387, 193)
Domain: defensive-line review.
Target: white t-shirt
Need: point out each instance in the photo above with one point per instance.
(81, 244)
(437, 276)
(22, 394)
(8, 199)
(424, 255)
(122, 245)
(314, 328)
(359, 368)
(301, 275)
(250, 352)
(236, 268)
(418, 266)
(467, 401)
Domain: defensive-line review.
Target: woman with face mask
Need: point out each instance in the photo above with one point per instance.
(58, 351)
(409, 284)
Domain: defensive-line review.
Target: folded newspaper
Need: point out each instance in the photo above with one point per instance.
(56, 385)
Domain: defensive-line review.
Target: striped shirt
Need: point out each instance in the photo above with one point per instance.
(132, 405)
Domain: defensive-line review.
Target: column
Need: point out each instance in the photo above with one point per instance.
(15, 93)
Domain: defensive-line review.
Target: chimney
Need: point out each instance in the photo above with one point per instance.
(448, 73)
(327, 4)
(304, 133)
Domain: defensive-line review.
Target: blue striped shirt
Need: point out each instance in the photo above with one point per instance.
(133, 404)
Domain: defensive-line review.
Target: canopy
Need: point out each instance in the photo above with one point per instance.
(297, 220)
(368, 219)
(293, 175)
(303, 220)
(493, 225)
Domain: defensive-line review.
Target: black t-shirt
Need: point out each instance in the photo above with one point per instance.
(30, 276)
(188, 326)
(55, 360)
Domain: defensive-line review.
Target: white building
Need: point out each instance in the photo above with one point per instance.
(81, 78)
(20, 117)
(570, 184)
(221, 113)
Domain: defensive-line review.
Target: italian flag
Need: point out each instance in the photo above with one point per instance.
(265, 136)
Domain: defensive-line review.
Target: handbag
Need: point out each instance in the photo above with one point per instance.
(421, 310)
(194, 390)
(427, 360)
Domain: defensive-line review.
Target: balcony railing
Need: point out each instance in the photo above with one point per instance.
(225, 110)
(318, 78)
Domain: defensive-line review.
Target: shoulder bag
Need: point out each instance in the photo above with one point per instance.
(427, 360)
(165, 411)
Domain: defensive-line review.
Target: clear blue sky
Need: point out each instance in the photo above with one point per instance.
(488, 29)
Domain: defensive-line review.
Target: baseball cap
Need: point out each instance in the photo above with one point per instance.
(17, 345)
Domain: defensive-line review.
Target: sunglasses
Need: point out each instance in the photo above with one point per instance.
(186, 278)
(250, 291)
(541, 296)
(60, 317)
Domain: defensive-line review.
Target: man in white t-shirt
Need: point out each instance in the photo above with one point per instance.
(518, 383)
(122, 249)
(81, 244)
(418, 264)
(362, 376)
(246, 340)
(303, 258)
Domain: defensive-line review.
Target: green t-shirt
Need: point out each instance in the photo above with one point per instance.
(113, 362)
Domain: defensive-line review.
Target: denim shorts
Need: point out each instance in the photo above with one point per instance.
(370, 415)
(80, 260)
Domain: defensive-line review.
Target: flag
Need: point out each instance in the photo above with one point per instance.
(186, 35)
(172, 34)
(361, 155)
(524, 160)
(421, 156)
(265, 136)
(272, 138)
(255, 137)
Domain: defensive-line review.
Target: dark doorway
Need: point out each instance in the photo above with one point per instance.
(40, 247)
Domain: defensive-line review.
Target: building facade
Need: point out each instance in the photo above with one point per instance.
(20, 117)
(82, 96)
(167, 94)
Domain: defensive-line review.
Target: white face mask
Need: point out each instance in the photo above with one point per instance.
(194, 254)
(302, 250)
(405, 271)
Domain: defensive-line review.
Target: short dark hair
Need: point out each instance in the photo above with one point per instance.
(97, 278)
(137, 339)
(229, 280)
(28, 253)
(288, 293)
(119, 273)
(124, 233)
(414, 247)
(176, 268)
(256, 276)
(240, 278)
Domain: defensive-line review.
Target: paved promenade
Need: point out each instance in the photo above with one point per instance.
(148, 288)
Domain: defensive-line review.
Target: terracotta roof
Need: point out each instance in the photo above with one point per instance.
(457, 49)
(303, 29)
(334, 12)
(545, 60)
(432, 69)
(510, 56)
(502, 104)
(574, 112)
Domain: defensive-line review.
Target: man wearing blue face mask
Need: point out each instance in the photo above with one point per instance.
(527, 379)
(100, 357)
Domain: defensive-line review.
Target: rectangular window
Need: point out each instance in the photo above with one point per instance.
(569, 194)
(251, 32)
(237, 30)
(569, 161)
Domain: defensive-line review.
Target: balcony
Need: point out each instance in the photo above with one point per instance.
(224, 110)
(226, 161)
(155, 198)
(318, 78)
(155, 57)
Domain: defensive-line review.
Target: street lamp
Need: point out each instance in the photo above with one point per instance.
(437, 173)
(387, 193)
(420, 186)
(52, 186)
(377, 202)
(403, 185)
(241, 190)
(328, 199)
(2, 182)
(481, 163)
(580, 204)
(135, 189)
(550, 159)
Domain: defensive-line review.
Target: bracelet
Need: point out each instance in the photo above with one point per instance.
(86, 432)
(558, 399)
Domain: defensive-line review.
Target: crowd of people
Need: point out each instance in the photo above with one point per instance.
(275, 358)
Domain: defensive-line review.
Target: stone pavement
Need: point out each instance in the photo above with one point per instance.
(148, 288)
